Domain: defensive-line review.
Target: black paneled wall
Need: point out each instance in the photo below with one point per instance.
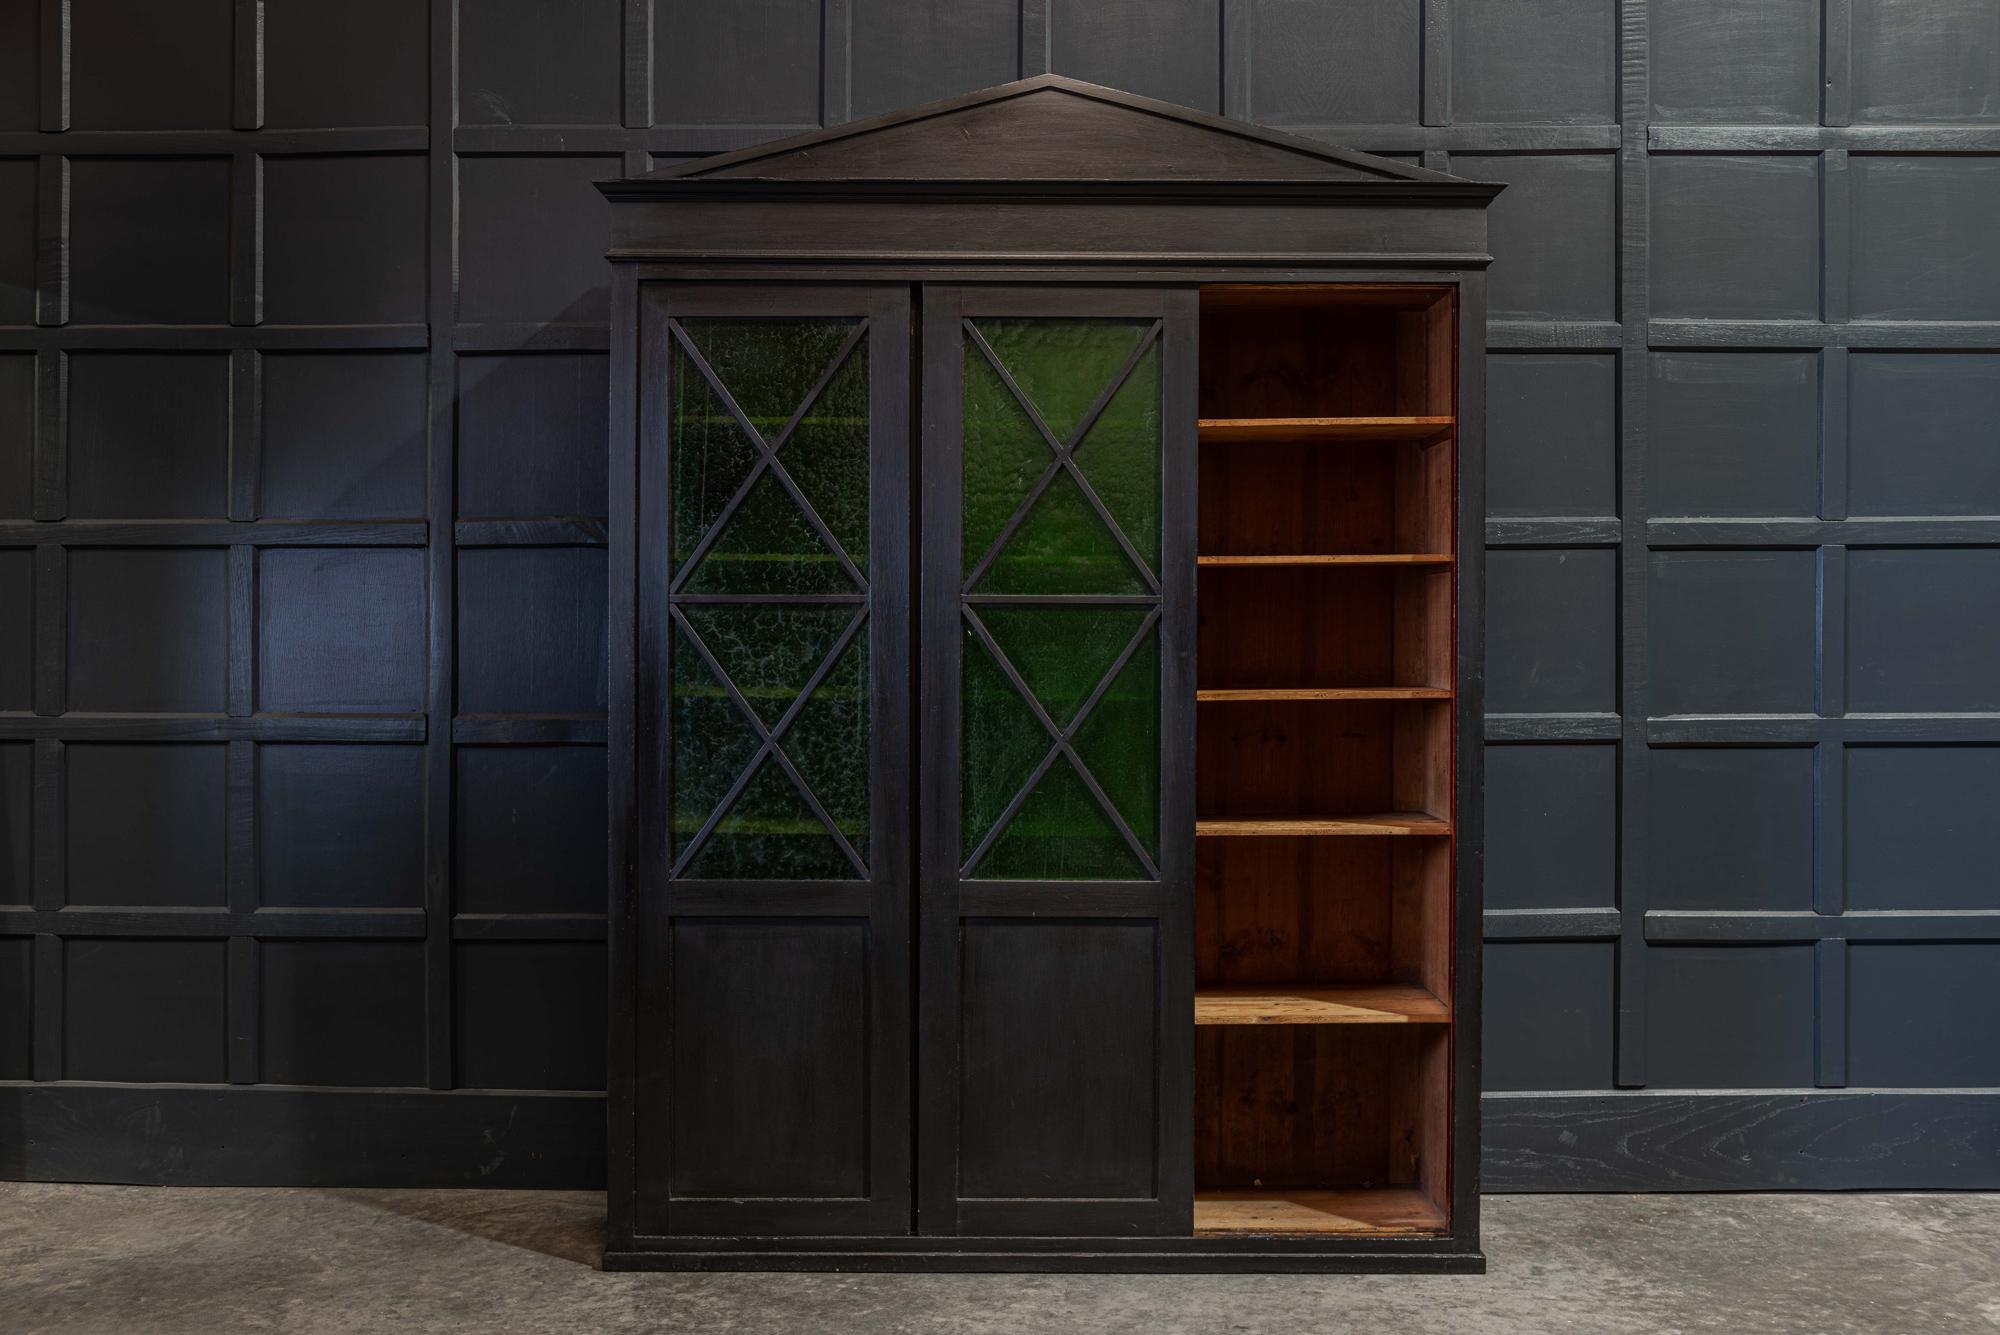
(302, 369)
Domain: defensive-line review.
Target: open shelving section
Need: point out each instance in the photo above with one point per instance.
(1326, 760)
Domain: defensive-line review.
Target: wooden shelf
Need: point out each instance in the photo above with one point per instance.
(1233, 696)
(1339, 559)
(1356, 1210)
(1252, 430)
(1313, 827)
(1363, 1003)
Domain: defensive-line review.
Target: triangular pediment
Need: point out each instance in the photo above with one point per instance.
(1049, 128)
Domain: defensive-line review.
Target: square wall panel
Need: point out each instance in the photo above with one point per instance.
(1548, 1008)
(1738, 64)
(148, 435)
(1921, 631)
(1923, 237)
(530, 829)
(19, 202)
(531, 433)
(1731, 828)
(148, 629)
(1920, 828)
(1735, 238)
(344, 239)
(358, 63)
(704, 55)
(1554, 234)
(149, 241)
(1937, 61)
(17, 1007)
(531, 239)
(1173, 53)
(146, 824)
(529, 1014)
(1729, 1017)
(17, 610)
(1551, 631)
(1733, 632)
(145, 65)
(341, 1012)
(1733, 434)
(1551, 826)
(17, 432)
(1334, 62)
(1519, 61)
(1901, 998)
(17, 822)
(20, 82)
(1552, 434)
(1921, 433)
(143, 1010)
(531, 630)
(340, 825)
(341, 629)
(902, 55)
(541, 62)
(345, 435)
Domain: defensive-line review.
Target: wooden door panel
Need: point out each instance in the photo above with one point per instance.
(1059, 1080)
(1055, 1034)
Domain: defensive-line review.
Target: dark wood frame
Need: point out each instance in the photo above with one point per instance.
(1404, 226)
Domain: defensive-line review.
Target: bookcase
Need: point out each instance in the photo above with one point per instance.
(1325, 752)
(1045, 581)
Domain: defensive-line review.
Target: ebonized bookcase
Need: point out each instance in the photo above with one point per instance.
(1046, 561)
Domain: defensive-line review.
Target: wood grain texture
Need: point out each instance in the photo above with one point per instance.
(1387, 823)
(1330, 559)
(1786, 1140)
(1367, 1003)
(1321, 430)
(1302, 693)
(1373, 1210)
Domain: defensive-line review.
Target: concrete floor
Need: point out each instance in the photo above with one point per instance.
(211, 1260)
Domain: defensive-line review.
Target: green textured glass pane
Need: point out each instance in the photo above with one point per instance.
(829, 743)
(1062, 652)
(1003, 455)
(1060, 834)
(769, 650)
(768, 547)
(1062, 546)
(1120, 743)
(770, 835)
(1062, 365)
(1120, 455)
(768, 366)
(1001, 745)
(709, 455)
(827, 455)
(712, 742)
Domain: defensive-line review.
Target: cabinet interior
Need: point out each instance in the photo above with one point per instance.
(1325, 760)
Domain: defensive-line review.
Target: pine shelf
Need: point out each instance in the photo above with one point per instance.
(1391, 823)
(1324, 560)
(1363, 1003)
(1233, 695)
(1257, 430)
(1388, 1210)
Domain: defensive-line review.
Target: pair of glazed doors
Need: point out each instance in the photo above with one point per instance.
(916, 688)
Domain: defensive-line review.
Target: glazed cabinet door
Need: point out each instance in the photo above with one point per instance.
(1056, 1009)
(771, 1071)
